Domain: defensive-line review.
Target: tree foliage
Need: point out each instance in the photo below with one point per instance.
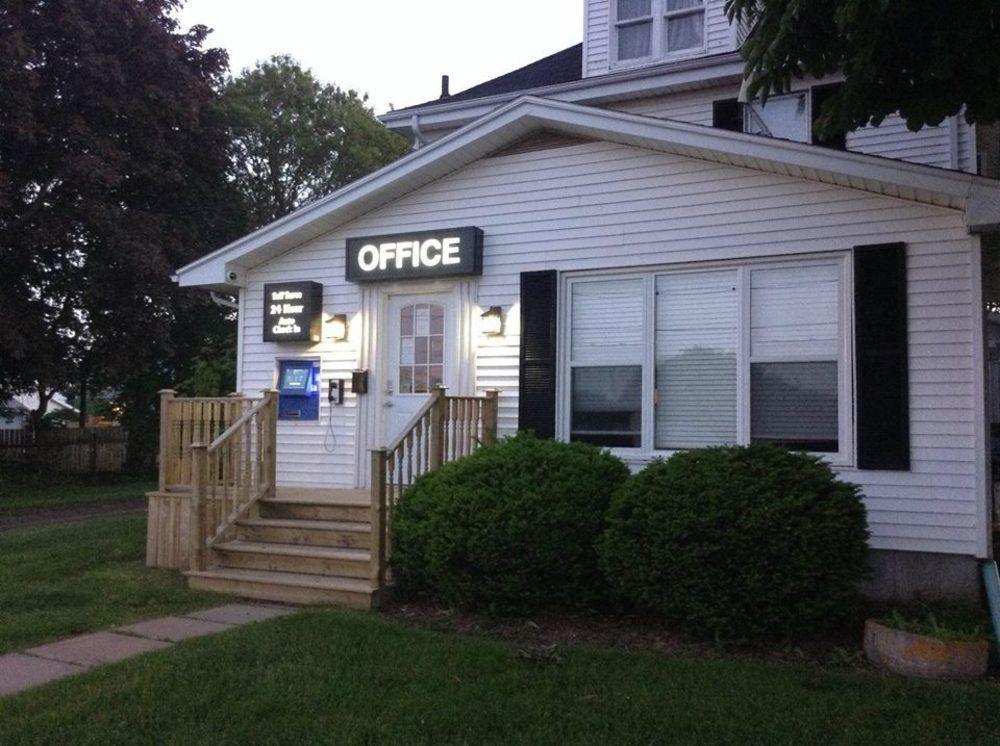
(927, 60)
(295, 138)
(113, 166)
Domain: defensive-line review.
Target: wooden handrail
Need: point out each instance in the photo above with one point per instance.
(230, 475)
(446, 428)
(235, 427)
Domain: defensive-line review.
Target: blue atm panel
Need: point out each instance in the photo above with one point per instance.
(298, 390)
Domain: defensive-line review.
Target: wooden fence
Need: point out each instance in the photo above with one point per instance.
(69, 450)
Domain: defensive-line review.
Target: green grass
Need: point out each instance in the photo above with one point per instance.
(339, 677)
(61, 580)
(24, 491)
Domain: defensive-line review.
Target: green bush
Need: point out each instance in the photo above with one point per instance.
(511, 528)
(738, 543)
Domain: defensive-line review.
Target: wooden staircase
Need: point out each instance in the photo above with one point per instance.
(220, 516)
(304, 549)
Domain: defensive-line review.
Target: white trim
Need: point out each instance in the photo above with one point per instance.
(240, 334)
(886, 177)
(982, 438)
(845, 457)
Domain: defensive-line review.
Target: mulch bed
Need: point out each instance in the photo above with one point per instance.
(544, 635)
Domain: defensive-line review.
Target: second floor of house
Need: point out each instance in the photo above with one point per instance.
(680, 59)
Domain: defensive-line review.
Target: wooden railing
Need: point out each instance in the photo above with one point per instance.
(184, 422)
(445, 429)
(230, 474)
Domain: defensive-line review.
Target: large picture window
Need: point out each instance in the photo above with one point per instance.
(669, 360)
(658, 28)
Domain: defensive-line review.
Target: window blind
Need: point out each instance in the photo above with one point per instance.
(696, 345)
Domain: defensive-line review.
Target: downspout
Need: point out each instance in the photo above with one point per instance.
(418, 137)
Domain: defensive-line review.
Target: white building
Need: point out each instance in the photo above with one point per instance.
(667, 277)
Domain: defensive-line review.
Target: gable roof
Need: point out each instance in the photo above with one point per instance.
(562, 67)
(977, 196)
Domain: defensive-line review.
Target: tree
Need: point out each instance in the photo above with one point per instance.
(295, 139)
(927, 60)
(113, 163)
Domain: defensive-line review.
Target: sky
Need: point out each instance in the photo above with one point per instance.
(394, 50)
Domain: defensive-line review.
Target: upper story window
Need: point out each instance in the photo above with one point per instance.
(658, 28)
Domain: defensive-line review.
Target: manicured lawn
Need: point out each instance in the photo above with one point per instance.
(339, 677)
(60, 580)
(24, 491)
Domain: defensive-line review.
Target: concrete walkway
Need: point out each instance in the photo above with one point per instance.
(40, 665)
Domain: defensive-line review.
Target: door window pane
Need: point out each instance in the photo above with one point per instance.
(696, 344)
(607, 406)
(421, 347)
(795, 405)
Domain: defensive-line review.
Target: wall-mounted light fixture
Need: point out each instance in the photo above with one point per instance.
(338, 327)
(492, 318)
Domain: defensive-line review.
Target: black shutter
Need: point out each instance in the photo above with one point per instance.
(820, 95)
(536, 409)
(881, 359)
(727, 115)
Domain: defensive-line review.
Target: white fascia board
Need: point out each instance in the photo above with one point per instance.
(505, 125)
(619, 86)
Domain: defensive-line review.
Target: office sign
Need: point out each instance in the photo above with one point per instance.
(453, 252)
(293, 311)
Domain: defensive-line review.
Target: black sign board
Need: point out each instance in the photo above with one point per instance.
(452, 252)
(293, 311)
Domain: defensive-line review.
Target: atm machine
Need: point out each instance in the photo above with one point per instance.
(298, 389)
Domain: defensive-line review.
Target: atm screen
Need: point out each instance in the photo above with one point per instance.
(296, 377)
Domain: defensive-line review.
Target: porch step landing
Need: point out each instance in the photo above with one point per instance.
(303, 548)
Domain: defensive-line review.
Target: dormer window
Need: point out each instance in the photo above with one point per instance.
(658, 28)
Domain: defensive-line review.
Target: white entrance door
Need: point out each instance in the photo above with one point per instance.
(420, 356)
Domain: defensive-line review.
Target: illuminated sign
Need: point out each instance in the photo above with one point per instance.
(293, 312)
(407, 256)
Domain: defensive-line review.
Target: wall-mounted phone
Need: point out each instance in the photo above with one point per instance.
(335, 392)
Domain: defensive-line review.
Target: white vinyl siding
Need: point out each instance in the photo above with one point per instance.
(605, 206)
(951, 145)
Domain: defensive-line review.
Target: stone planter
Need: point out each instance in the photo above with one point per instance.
(909, 654)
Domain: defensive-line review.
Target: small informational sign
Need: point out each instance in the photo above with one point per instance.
(452, 252)
(293, 312)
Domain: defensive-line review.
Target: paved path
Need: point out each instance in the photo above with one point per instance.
(73, 514)
(45, 663)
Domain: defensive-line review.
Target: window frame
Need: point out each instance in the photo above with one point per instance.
(844, 457)
(807, 114)
(658, 19)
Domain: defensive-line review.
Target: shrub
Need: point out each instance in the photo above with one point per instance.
(738, 543)
(511, 528)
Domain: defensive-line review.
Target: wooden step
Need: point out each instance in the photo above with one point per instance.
(306, 509)
(285, 587)
(345, 534)
(296, 558)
